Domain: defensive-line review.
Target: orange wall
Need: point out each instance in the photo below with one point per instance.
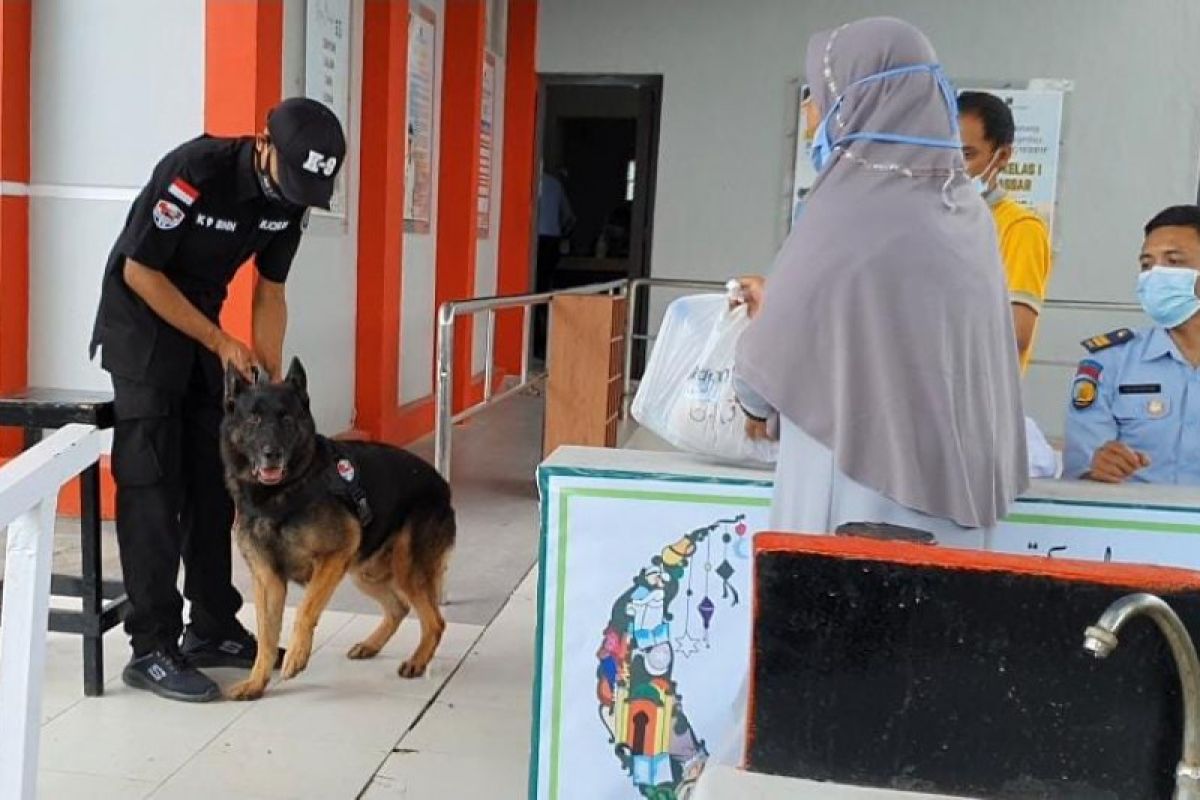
(15, 38)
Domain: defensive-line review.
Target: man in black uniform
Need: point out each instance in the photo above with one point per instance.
(211, 204)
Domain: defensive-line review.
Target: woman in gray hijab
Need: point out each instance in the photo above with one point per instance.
(884, 338)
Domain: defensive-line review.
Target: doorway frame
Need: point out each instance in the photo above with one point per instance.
(646, 182)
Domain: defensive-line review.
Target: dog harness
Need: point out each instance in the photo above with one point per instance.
(342, 477)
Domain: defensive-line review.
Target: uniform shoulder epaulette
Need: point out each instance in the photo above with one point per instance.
(1107, 340)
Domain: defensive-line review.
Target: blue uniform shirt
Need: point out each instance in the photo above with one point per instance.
(1143, 393)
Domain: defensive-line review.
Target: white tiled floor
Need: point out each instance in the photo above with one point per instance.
(342, 729)
(474, 741)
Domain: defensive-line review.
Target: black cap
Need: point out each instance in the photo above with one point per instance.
(310, 147)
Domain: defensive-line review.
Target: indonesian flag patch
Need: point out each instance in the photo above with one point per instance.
(183, 191)
(346, 470)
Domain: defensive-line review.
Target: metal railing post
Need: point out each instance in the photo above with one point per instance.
(526, 341)
(489, 355)
(444, 412)
(630, 326)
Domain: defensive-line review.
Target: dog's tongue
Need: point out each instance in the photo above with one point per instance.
(270, 474)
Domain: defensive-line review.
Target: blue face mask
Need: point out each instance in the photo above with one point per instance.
(1168, 294)
(820, 147)
(823, 145)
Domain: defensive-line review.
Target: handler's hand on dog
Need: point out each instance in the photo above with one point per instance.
(231, 351)
(1115, 462)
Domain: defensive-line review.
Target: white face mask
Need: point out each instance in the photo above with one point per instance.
(979, 181)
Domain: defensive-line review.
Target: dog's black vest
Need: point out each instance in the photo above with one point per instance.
(343, 483)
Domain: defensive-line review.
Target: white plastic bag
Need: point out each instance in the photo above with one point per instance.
(686, 395)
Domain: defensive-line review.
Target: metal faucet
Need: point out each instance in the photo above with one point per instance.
(1101, 639)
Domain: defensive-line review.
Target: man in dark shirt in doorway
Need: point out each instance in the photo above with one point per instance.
(211, 204)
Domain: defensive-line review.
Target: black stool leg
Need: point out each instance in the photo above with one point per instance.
(92, 588)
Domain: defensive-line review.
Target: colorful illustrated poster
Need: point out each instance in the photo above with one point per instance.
(418, 151)
(1031, 177)
(486, 141)
(644, 630)
(327, 73)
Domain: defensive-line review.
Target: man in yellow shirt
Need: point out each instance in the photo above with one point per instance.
(987, 135)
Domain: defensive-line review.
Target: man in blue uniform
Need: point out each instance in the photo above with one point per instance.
(1134, 413)
(211, 204)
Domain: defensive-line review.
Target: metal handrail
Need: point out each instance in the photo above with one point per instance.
(637, 290)
(448, 314)
(1092, 305)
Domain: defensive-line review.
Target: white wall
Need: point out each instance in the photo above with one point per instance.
(418, 276)
(108, 101)
(1132, 131)
(323, 283)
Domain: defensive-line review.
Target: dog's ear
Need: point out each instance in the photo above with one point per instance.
(235, 384)
(261, 376)
(297, 378)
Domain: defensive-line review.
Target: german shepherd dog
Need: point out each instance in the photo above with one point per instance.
(310, 510)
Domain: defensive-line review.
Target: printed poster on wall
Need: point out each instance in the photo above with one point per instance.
(803, 173)
(1031, 177)
(486, 133)
(418, 168)
(327, 72)
(644, 624)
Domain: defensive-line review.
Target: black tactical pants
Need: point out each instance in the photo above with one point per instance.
(172, 503)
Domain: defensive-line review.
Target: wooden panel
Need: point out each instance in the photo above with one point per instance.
(585, 362)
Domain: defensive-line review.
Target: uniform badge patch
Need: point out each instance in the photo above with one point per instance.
(167, 215)
(346, 470)
(1156, 408)
(1083, 392)
(1085, 386)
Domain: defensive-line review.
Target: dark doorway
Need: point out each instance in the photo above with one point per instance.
(599, 154)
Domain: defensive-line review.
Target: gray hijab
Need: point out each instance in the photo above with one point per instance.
(885, 331)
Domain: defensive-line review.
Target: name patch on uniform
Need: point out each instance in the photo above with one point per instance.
(272, 224)
(183, 191)
(167, 215)
(1139, 388)
(209, 221)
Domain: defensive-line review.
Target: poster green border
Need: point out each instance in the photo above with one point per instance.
(544, 475)
(1103, 524)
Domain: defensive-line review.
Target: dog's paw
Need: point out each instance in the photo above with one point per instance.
(361, 651)
(295, 661)
(246, 690)
(412, 669)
